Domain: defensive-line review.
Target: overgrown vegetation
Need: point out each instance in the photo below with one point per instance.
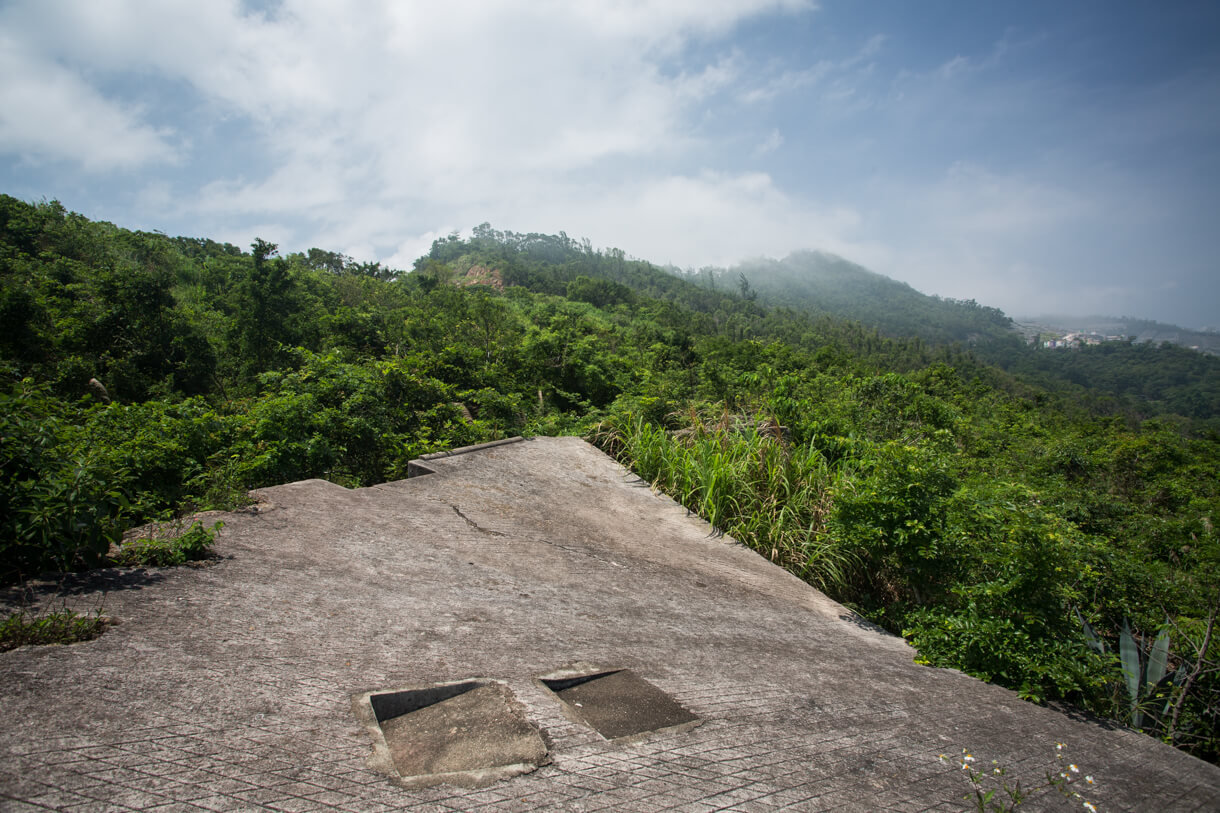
(164, 547)
(972, 510)
(24, 628)
(747, 480)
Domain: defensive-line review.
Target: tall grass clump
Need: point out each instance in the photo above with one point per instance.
(747, 480)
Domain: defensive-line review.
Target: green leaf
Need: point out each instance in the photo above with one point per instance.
(1159, 657)
(1130, 655)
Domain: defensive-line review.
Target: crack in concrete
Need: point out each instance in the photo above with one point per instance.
(576, 551)
(572, 549)
(472, 523)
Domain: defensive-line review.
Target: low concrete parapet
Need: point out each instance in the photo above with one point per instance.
(419, 466)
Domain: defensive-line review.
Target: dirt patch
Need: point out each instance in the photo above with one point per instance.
(482, 275)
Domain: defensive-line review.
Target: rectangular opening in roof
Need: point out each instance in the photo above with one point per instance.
(617, 703)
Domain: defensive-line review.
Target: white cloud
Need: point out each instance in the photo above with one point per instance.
(410, 249)
(771, 143)
(842, 75)
(372, 128)
(1016, 240)
(984, 205)
(664, 18)
(47, 113)
(382, 123)
(709, 218)
(785, 83)
(953, 67)
(452, 105)
(419, 90)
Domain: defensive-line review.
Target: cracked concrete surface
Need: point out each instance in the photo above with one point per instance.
(230, 687)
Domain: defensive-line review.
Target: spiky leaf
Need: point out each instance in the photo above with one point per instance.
(1158, 659)
(1129, 654)
(1095, 643)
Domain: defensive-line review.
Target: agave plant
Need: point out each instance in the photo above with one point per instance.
(1146, 675)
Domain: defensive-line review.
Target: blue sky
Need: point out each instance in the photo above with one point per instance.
(1039, 157)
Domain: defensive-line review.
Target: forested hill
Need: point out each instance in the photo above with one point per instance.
(983, 517)
(865, 312)
(824, 284)
(1118, 377)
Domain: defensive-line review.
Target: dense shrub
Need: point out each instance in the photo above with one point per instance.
(61, 506)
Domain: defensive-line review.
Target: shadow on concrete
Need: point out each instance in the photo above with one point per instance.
(1084, 716)
(105, 580)
(864, 624)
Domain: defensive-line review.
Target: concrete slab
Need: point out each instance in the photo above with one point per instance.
(468, 733)
(230, 687)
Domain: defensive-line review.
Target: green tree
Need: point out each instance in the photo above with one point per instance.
(266, 303)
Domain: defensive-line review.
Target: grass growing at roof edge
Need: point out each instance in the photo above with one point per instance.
(890, 529)
(747, 480)
(25, 628)
(981, 567)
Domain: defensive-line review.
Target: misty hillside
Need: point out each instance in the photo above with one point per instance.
(1140, 377)
(1140, 330)
(824, 284)
(845, 300)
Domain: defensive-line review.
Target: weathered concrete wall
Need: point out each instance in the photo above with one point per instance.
(230, 687)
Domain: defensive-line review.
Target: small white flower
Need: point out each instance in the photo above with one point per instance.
(1089, 779)
(1090, 808)
(1073, 769)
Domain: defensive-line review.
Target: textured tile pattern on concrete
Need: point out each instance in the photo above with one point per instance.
(229, 687)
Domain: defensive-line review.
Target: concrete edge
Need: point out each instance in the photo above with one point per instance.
(379, 761)
(419, 466)
(814, 599)
(477, 447)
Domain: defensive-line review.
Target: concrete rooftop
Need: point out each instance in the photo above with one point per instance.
(246, 684)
